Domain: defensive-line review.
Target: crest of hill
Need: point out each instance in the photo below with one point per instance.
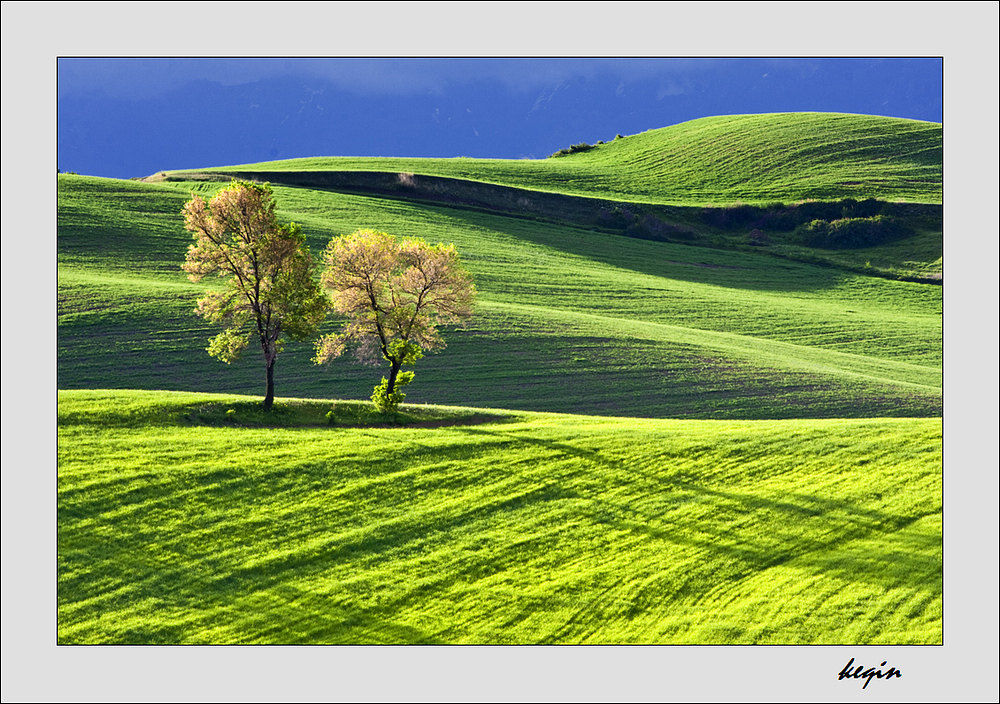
(775, 157)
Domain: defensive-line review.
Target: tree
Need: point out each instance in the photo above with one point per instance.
(394, 295)
(270, 293)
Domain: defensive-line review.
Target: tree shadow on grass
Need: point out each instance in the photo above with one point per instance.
(293, 615)
(857, 542)
(335, 414)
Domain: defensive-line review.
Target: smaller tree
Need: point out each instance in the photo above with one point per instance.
(395, 295)
(270, 293)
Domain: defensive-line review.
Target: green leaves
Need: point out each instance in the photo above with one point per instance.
(387, 401)
(405, 352)
(228, 345)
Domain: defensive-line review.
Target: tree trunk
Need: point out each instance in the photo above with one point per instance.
(269, 395)
(393, 373)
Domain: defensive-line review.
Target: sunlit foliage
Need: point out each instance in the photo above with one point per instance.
(394, 294)
(270, 292)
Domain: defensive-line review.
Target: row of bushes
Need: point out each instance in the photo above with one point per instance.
(779, 217)
(851, 233)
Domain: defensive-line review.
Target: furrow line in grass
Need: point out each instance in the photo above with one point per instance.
(779, 353)
(834, 562)
(83, 275)
(392, 530)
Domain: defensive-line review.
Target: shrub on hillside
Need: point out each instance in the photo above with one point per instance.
(574, 149)
(841, 209)
(818, 210)
(779, 217)
(387, 401)
(851, 233)
(867, 208)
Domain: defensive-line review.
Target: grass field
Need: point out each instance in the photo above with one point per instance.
(179, 526)
(634, 441)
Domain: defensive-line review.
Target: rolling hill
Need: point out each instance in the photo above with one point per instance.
(714, 160)
(569, 320)
(646, 435)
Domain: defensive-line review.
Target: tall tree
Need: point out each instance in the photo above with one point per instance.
(270, 293)
(394, 294)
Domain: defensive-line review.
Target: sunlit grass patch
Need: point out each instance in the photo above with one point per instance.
(713, 160)
(539, 529)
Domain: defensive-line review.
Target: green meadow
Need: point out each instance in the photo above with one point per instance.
(178, 524)
(634, 441)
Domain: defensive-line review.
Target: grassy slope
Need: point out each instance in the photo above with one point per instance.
(178, 524)
(568, 320)
(529, 529)
(716, 160)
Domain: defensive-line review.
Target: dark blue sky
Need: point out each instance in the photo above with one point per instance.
(124, 117)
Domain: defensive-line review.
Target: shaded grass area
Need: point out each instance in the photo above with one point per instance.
(120, 226)
(515, 357)
(140, 409)
(568, 320)
(537, 529)
(890, 239)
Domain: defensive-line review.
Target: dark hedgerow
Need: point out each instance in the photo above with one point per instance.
(779, 217)
(641, 225)
(834, 210)
(615, 217)
(650, 227)
(851, 233)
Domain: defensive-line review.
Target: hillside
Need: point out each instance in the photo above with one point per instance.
(568, 320)
(525, 529)
(722, 160)
(672, 419)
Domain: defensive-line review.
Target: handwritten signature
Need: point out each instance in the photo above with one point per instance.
(851, 671)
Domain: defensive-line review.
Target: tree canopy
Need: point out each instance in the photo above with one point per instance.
(394, 295)
(270, 293)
